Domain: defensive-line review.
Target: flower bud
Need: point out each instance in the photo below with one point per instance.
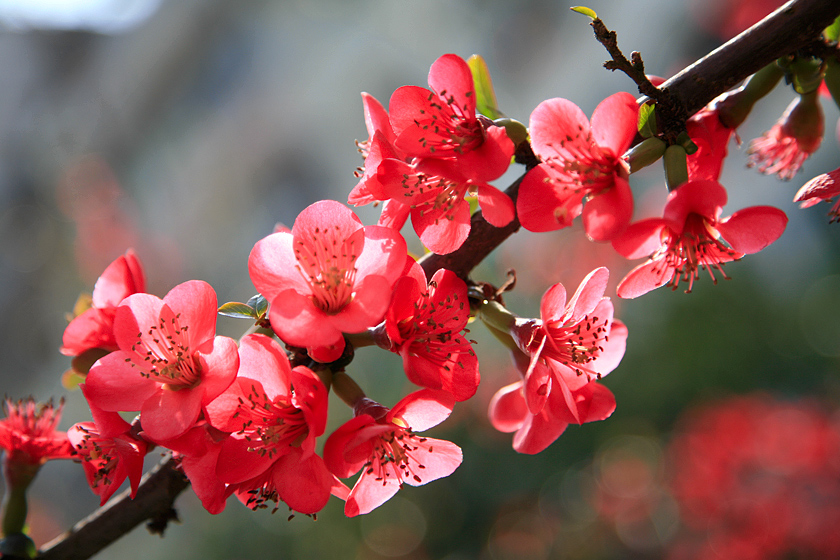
(644, 153)
(676, 166)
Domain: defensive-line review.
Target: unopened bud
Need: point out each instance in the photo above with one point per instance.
(644, 153)
(516, 131)
(676, 166)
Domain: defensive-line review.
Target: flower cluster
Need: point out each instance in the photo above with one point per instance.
(246, 418)
(757, 478)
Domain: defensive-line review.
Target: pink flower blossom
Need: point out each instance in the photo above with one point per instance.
(821, 188)
(441, 122)
(94, 328)
(509, 412)
(581, 161)
(783, 149)
(270, 453)
(690, 236)
(711, 137)
(110, 453)
(329, 276)
(423, 325)
(28, 434)
(566, 351)
(170, 363)
(384, 445)
(434, 152)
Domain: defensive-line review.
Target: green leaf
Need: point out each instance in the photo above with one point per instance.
(585, 11)
(238, 310)
(259, 303)
(485, 96)
(647, 120)
(832, 32)
(71, 379)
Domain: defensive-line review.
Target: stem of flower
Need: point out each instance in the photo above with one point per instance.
(347, 389)
(497, 317)
(358, 340)
(14, 510)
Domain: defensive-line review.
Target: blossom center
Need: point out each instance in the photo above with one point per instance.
(165, 356)
(326, 261)
(270, 426)
(393, 457)
(681, 256)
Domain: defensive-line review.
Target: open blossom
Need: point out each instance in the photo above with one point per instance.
(433, 152)
(711, 137)
(329, 276)
(170, 364)
(441, 122)
(821, 188)
(423, 325)
(784, 148)
(28, 434)
(690, 236)
(94, 328)
(385, 446)
(568, 349)
(509, 412)
(434, 189)
(581, 161)
(110, 452)
(273, 414)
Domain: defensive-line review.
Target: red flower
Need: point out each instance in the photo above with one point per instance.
(197, 452)
(711, 137)
(95, 327)
(433, 152)
(434, 191)
(441, 122)
(570, 347)
(270, 453)
(690, 237)
(330, 275)
(821, 188)
(509, 412)
(29, 437)
(383, 444)
(423, 325)
(170, 364)
(783, 149)
(757, 477)
(580, 161)
(110, 453)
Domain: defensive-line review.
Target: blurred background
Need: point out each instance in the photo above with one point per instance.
(187, 129)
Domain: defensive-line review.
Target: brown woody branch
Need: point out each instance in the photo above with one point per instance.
(153, 503)
(793, 26)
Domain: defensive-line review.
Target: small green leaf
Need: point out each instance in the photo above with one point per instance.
(832, 32)
(647, 120)
(485, 96)
(473, 201)
(71, 379)
(259, 303)
(238, 310)
(585, 11)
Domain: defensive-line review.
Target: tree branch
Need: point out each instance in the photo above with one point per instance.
(153, 502)
(791, 27)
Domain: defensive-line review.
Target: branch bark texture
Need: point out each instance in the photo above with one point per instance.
(153, 503)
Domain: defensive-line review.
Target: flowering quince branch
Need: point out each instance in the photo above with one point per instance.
(243, 419)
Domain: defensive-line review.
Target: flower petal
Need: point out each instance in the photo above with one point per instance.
(614, 122)
(752, 229)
